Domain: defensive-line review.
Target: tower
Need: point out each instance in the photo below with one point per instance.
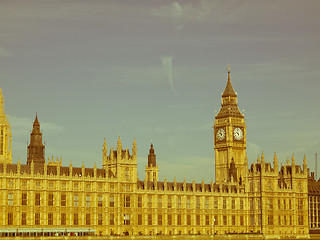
(5, 135)
(152, 168)
(36, 148)
(229, 137)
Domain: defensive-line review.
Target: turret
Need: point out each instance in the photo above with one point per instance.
(36, 148)
(134, 149)
(275, 162)
(119, 149)
(104, 153)
(305, 170)
(5, 135)
(152, 167)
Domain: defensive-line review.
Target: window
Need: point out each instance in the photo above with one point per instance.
(259, 203)
(241, 204)
(76, 200)
(50, 218)
(289, 203)
(23, 218)
(111, 219)
(10, 218)
(127, 201)
(63, 200)
(188, 202)
(75, 219)
(169, 202)
(126, 219)
(10, 199)
(233, 203)
(88, 222)
(241, 220)
(160, 219)
(251, 203)
(149, 219)
(37, 219)
(139, 219)
(300, 219)
(169, 219)
(224, 203)
(207, 203)
(284, 220)
(179, 219)
(215, 220)
(159, 201)
(207, 220)
(198, 219)
(198, 203)
(233, 220)
(251, 219)
(179, 202)
(139, 201)
(50, 199)
(111, 201)
(188, 219)
(24, 199)
(88, 201)
(100, 199)
(279, 220)
(149, 201)
(37, 199)
(88, 186)
(279, 204)
(100, 219)
(284, 204)
(63, 219)
(216, 203)
(64, 186)
(225, 220)
(300, 204)
(270, 219)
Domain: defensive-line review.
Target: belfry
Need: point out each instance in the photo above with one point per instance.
(229, 137)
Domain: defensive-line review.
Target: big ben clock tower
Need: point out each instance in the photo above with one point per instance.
(229, 138)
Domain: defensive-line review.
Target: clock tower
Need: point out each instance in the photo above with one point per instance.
(229, 138)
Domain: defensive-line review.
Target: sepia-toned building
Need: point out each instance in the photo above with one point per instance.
(262, 198)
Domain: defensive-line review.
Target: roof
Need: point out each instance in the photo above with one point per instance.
(229, 91)
(313, 187)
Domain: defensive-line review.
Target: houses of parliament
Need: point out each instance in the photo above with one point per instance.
(263, 198)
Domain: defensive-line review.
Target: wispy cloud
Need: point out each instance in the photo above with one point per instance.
(22, 126)
(167, 67)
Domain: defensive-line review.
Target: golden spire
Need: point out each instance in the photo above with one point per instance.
(1, 103)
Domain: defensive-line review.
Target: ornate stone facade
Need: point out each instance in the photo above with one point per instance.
(112, 200)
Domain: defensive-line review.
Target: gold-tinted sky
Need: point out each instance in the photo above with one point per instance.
(156, 70)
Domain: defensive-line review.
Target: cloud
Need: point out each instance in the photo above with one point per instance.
(167, 67)
(22, 126)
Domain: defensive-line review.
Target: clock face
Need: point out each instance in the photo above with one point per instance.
(221, 134)
(238, 134)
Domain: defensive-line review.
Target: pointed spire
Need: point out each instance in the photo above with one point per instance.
(262, 158)
(119, 142)
(1, 103)
(304, 164)
(152, 157)
(275, 161)
(229, 91)
(258, 159)
(293, 162)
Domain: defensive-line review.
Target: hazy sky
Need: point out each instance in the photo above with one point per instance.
(156, 70)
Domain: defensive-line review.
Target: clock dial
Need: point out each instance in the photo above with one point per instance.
(221, 134)
(238, 134)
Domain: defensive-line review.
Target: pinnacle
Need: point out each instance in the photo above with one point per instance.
(229, 91)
